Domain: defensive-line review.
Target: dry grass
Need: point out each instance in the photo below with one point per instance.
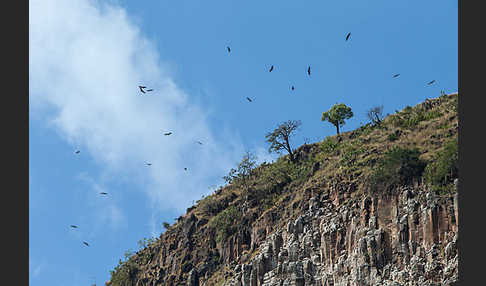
(351, 162)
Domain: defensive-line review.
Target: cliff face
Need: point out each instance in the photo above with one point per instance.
(317, 222)
(408, 238)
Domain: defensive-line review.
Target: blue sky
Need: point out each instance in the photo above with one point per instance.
(87, 59)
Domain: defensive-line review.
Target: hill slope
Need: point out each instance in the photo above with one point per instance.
(376, 207)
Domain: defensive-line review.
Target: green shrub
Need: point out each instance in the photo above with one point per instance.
(453, 104)
(277, 174)
(124, 272)
(225, 223)
(410, 117)
(432, 114)
(366, 129)
(329, 145)
(210, 206)
(299, 173)
(243, 171)
(144, 242)
(350, 154)
(399, 166)
(444, 167)
(392, 137)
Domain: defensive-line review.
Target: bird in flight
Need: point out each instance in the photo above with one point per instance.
(85, 243)
(292, 88)
(74, 226)
(348, 35)
(249, 99)
(308, 70)
(167, 133)
(149, 164)
(185, 169)
(142, 89)
(103, 193)
(431, 82)
(77, 151)
(271, 69)
(199, 142)
(229, 50)
(396, 75)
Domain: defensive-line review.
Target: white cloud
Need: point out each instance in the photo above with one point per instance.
(85, 64)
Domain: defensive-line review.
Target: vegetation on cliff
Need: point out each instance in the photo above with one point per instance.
(417, 145)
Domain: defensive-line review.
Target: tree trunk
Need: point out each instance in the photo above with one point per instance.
(291, 157)
(289, 150)
(337, 128)
(378, 121)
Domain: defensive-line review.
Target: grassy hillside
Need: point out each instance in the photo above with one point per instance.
(414, 146)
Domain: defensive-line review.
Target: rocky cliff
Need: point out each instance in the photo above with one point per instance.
(408, 238)
(319, 221)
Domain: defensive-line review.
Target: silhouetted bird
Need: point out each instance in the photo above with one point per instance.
(199, 142)
(249, 99)
(141, 88)
(348, 35)
(74, 226)
(149, 164)
(185, 169)
(104, 193)
(396, 75)
(77, 151)
(229, 50)
(85, 243)
(431, 82)
(292, 88)
(308, 70)
(271, 69)
(168, 133)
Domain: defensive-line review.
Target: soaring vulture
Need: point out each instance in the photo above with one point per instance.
(348, 35)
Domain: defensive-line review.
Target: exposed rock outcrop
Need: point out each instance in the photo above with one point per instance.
(317, 222)
(408, 238)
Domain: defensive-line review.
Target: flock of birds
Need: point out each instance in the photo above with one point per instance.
(144, 90)
(348, 35)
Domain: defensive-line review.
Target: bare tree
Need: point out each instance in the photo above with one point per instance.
(279, 139)
(375, 114)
